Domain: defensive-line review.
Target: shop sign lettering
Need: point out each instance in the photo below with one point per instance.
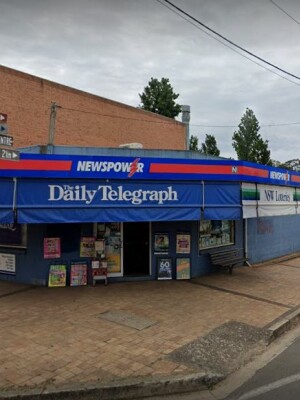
(111, 166)
(282, 176)
(274, 195)
(106, 193)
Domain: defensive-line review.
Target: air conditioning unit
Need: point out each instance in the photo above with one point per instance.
(131, 146)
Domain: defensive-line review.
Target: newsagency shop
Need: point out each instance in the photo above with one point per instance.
(140, 217)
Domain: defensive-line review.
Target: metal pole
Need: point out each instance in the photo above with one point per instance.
(186, 112)
(52, 123)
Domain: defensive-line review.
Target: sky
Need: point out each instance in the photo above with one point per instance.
(112, 48)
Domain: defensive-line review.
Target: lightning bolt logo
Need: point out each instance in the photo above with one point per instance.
(133, 167)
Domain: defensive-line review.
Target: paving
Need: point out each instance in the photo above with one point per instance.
(73, 338)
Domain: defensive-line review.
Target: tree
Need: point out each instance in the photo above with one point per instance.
(159, 97)
(194, 143)
(248, 143)
(210, 146)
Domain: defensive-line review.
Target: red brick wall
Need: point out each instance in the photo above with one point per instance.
(98, 122)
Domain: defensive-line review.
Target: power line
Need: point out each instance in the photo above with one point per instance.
(120, 117)
(162, 122)
(229, 41)
(224, 44)
(281, 9)
(236, 126)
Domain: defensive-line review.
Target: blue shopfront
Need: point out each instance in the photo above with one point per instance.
(144, 217)
(58, 210)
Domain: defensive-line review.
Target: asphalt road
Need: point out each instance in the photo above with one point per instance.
(280, 379)
(274, 375)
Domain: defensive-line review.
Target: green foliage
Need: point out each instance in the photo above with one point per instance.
(210, 146)
(248, 143)
(159, 97)
(194, 143)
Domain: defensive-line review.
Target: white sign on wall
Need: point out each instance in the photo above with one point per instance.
(8, 263)
(268, 200)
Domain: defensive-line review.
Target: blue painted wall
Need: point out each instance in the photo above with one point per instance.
(271, 237)
(32, 268)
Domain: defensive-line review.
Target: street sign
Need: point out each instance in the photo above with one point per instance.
(3, 118)
(3, 129)
(9, 155)
(6, 140)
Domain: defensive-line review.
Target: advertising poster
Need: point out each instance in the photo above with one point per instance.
(183, 268)
(52, 248)
(57, 275)
(100, 248)
(183, 243)
(78, 274)
(161, 243)
(8, 263)
(87, 247)
(164, 268)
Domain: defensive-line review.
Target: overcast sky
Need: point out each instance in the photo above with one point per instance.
(113, 47)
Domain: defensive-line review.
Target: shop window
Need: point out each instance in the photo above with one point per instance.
(13, 235)
(110, 234)
(69, 235)
(215, 234)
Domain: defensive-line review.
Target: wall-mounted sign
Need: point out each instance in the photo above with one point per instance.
(87, 247)
(161, 243)
(183, 243)
(3, 118)
(6, 140)
(8, 263)
(52, 248)
(12, 155)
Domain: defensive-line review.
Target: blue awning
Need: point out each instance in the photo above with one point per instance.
(222, 201)
(57, 201)
(6, 201)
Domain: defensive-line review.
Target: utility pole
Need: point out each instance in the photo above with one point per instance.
(54, 106)
(186, 111)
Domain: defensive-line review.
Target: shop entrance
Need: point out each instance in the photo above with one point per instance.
(136, 248)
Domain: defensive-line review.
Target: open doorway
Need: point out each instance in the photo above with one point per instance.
(136, 248)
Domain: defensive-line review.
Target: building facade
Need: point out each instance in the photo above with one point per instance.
(145, 214)
(82, 119)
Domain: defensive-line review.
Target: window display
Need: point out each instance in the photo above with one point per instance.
(216, 233)
(110, 234)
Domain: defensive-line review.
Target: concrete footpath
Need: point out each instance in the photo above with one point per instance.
(141, 338)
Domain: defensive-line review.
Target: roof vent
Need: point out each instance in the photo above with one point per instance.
(131, 146)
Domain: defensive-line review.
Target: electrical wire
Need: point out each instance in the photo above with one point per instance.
(229, 41)
(226, 45)
(120, 117)
(281, 9)
(236, 126)
(162, 122)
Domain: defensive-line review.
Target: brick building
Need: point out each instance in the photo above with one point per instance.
(84, 119)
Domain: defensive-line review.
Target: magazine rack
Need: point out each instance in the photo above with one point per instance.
(99, 271)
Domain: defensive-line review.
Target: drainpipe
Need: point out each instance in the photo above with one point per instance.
(186, 111)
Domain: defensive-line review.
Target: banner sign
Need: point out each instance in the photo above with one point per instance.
(267, 200)
(139, 168)
(48, 194)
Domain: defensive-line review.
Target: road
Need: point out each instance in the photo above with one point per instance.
(274, 375)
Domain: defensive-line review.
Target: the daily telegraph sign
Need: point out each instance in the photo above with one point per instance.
(144, 168)
(38, 193)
